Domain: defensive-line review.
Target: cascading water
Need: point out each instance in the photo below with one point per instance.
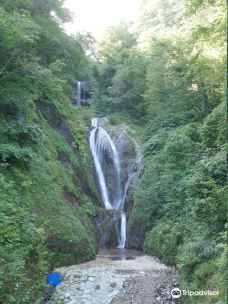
(122, 238)
(107, 164)
(131, 174)
(79, 94)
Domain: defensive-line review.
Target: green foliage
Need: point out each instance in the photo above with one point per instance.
(120, 90)
(170, 82)
(22, 133)
(163, 241)
(45, 165)
(166, 81)
(22, 253)
(12, 153)
(181, 198)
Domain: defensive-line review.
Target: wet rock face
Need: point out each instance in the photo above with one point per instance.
(130, 160)
(127, 150)
(107, 222)
(131, 163)
(57, 121)
(136, 237)
(125, 145)
(108, 166)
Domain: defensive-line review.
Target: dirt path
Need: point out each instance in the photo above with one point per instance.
(117, 277)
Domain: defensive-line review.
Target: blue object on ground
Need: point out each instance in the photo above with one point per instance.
(54, 279)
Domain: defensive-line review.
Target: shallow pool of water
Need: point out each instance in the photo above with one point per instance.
(116, 254)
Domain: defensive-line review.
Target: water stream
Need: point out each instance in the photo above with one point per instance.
(107, 164)
(79, 94)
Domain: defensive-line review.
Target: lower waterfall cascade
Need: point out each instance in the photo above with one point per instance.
(108, 170)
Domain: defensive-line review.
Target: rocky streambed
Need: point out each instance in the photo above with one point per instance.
(117, 276)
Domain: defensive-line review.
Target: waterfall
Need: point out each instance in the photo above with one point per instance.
(131, 174)
(122, 233)
(79, 94)
(107, 164)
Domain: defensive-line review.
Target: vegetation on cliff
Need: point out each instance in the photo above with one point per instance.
(167, 80)
(45, 166)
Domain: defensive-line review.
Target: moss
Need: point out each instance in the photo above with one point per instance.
(56, 189)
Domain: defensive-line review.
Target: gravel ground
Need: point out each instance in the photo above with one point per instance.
(117, 278)
(153, 288)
